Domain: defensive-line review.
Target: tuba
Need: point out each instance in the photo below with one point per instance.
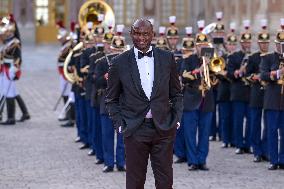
(90, 10)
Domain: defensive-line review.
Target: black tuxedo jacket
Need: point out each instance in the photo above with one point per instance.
(126, 101)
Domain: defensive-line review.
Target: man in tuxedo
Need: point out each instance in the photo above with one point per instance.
(144, 100)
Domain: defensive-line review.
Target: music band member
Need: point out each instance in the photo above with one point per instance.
(272, 73)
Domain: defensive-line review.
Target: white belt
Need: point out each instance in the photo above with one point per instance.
(8, 61)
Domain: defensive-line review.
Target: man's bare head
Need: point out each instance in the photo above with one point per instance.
(142, 34)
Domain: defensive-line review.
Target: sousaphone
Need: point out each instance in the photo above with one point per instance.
(90, 10)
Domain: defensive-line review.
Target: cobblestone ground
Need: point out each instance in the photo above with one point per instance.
(38, 154)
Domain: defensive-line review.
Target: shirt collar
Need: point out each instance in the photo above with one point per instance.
(136, 51)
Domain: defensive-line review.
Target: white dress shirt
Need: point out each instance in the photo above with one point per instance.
(146, 72)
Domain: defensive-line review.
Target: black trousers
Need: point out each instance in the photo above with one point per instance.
(149, 141)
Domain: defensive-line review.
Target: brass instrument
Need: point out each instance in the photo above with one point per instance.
(90, 10)
(72, 77)
(205, 82)
(217, 63)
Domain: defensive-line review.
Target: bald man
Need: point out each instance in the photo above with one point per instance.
(144, 100)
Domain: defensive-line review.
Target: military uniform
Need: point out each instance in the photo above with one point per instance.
(272, 75)
(240, 92)
(84, 62)
(255, 103)
(223, 96)
(225, 108)
(79, 94)
(198, 110)
(187, 50)
(12, 61)
(108, 132)
(256, 97)
(239, 96)
(95, 104)
(218, 33)
(274, 106)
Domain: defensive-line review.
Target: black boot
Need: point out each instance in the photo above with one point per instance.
(23, 108)
(10, 102)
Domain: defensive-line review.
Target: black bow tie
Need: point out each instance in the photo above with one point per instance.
(141, 54)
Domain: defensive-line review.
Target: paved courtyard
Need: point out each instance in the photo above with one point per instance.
(38, 154)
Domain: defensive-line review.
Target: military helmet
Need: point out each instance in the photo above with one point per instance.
(187, 43)
(280, 33)
(200, 37)
(118, 41)
(246, 36)
(220, 27)
(232, 38)
(172, 31)
(263, 36)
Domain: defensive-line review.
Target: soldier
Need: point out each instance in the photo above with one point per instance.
(198, 104)
(97, 35)
(237, 63)
(272, 73)
(223, 92)
(79, 92)
(65, 86)
(96, 146)
(108, 132)
(256, 91)
(187, 50)
(172, 35)
(12, 63)
(218, 36)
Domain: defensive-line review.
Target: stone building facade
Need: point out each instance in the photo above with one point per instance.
(37, 18)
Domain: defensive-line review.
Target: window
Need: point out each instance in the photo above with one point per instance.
(41, 12)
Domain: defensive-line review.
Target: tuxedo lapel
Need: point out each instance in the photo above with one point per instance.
(135, 73)
(157, 72)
